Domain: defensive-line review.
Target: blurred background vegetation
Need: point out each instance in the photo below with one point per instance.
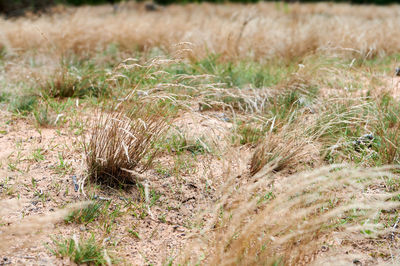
(20, 7)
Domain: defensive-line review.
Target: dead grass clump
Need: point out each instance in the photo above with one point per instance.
(65, 83)
(120, 141)
(248, 227)
(285, 149)
(62, 85)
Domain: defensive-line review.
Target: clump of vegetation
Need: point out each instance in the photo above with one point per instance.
(387, 131)
(43, 116)
(80, 81)
(282, 150)
(88, 214)
(293, 222)
(249, 134)
(179, 143)
(23, 104)
(122, 140)
(83, 251)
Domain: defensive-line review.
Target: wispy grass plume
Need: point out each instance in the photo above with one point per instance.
(287, 227)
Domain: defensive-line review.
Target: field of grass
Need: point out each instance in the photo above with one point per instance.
(263, 134)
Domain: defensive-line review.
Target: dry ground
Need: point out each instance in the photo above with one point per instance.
(162, 234)
(279, 141)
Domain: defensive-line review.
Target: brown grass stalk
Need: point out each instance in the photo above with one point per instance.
(230, 30)
(122, 140)
(289, 228)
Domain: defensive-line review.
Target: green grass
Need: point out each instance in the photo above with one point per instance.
(344, 122)
(240, 74)
(134, 233)
(42, 115)
(5, 97)
(82, 251)
(38, 155)
(179, 143)
(387, 131)
(77, 79)
(248, 133)
(62, 167)
(88, 214)
(22, 104)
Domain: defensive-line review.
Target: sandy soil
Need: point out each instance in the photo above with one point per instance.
(45, 186)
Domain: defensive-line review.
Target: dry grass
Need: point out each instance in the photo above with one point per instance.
(281, 88)
(120, 141)
(289, 31)
(286, 149)
(251, 225)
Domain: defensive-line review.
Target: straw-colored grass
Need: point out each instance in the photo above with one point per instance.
(256, 225)
(120, 141)
(286, 149)
(293, 88)
(257, 31)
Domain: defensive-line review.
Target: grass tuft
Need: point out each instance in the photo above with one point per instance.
(87, 214)
(75, 81)
(23, 104)
(120, 141)
(81, 251)
(288, 227)
(284, 150)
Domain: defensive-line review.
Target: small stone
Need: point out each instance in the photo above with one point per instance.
(5, 261)
(397, 71)
(82, 228)
(75, 182)
(324, 248)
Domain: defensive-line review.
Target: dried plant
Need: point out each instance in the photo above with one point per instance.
(67, 82)
(122, 140)
(285, 149)
(251, 225)
(230, 30)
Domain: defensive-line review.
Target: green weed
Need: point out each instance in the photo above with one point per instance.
(249, 134)
(23, 104)
(88, 214)
(80, 251)
(179, 143)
